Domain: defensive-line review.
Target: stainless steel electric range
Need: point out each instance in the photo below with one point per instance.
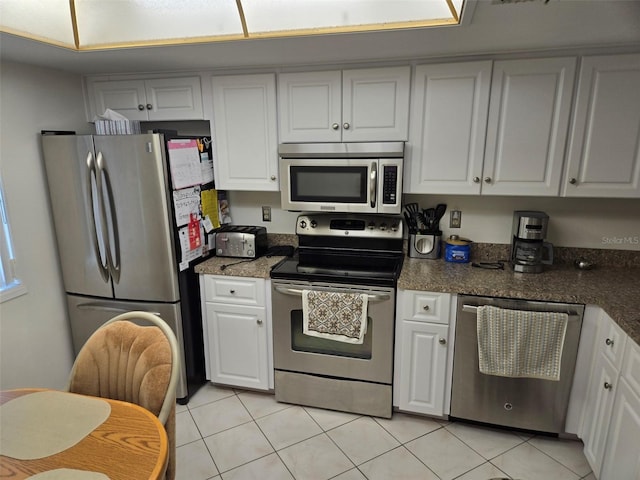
(342, 254)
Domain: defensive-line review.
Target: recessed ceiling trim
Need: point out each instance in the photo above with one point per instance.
(37, 38)
(453, 11)
(74, 23)
(243, 20)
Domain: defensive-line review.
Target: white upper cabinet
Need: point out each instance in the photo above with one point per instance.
(375, 104)
(244, 132)
(529, 110)
(449, 105)
(310, 106)
(476, 132)
(154, 99)
(344, 106)
(603, 158)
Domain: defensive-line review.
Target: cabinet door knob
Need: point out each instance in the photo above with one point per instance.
(259, 321)
(232, 292)
(573, 181)
(149, 106)
(608, 386)
(346, 126)
(609, 342)
(335, 126)
(442, 341)
(476, 179)
(273, 177)
(140, 107)
(426, 308)
(487, 179)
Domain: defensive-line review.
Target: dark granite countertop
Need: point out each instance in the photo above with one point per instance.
(615, 289)
(258, 268)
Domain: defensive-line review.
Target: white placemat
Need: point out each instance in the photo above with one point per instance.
(69, 474)
(41, 424)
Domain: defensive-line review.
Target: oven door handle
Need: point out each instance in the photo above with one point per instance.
(298, 293)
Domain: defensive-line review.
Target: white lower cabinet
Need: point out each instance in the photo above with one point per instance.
(237, 333)
(611, 427)
(599, 407)
(422, 360)
(622, 455)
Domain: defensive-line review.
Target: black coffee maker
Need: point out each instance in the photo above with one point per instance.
(529, 251)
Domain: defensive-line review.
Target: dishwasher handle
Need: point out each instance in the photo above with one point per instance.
(474, 309)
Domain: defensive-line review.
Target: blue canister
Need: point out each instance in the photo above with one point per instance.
(457, 249)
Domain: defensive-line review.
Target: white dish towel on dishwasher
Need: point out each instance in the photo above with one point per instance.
(517, 343)
(334, 315)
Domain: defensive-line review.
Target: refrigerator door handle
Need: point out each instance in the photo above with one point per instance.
(104, 308)
(107, 211)
(93, 186)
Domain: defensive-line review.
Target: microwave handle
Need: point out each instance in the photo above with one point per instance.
(373, 186)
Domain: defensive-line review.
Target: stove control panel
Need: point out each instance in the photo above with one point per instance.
(340, 225)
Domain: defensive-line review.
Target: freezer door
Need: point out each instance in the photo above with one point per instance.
(141, 252)
(86, 315)
(71, 174)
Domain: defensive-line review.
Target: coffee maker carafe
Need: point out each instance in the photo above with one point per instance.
(529, 251)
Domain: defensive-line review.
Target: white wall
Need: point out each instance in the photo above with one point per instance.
(35, 342)
(573, 222)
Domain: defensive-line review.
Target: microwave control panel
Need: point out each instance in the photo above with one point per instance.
(389, 184)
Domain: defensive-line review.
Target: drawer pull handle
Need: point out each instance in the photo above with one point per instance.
(609, 342)
(426, 308)
(259, 321)
(608, 386)
(442, 341)
(232, 292)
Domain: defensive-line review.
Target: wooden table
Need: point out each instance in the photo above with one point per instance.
(130, 444)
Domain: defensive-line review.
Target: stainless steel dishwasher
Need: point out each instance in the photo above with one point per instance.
(525, 403)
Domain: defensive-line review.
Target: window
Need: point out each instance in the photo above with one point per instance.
(10, 285)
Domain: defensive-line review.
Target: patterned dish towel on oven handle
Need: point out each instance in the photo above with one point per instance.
(334, 315)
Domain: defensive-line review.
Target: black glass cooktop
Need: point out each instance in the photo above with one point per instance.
(364, 268)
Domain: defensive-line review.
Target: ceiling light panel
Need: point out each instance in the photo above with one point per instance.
(46, 20)
(135, 22)
(265, 17)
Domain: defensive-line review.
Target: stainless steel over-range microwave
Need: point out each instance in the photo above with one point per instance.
(342, 177)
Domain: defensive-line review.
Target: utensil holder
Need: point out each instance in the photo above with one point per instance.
(425, 246)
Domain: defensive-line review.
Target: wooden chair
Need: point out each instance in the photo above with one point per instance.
(138, 364)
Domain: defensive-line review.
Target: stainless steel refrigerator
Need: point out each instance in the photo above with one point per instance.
(119, 249)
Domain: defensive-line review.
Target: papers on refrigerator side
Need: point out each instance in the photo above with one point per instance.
(184, 162)
(199, 208)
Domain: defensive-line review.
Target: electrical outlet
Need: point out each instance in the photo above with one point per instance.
(455, 219)
(266, 214)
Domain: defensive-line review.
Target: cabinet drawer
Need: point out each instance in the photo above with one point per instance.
(426, 307)
(235, 290)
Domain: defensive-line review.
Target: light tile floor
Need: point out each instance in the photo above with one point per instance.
(227, 434)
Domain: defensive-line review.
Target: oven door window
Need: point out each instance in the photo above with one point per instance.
(329, 184)
(305, 343)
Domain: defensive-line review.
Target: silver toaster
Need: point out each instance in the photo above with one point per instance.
(241, 241)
